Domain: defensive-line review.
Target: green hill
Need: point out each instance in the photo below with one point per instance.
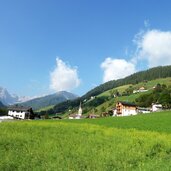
(151, 76)
(140, 142)
(49, 100)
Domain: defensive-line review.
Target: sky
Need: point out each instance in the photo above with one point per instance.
(75, 45)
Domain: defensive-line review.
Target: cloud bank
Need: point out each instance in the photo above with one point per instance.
(116, 68)
(64, 77)
(155, 47)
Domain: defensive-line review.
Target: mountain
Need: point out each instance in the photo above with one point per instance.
(49, 100)
(6, 98)
(1, 105)
(148, 75)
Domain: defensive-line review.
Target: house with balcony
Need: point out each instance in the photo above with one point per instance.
(125, 109)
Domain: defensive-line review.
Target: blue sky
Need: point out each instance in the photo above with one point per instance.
(91, 39)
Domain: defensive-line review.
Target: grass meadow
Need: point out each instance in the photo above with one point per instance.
(129, 143)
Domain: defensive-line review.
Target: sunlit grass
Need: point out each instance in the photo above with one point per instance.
(100, 144)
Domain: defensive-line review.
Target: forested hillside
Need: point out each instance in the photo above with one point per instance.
(161, 94)
(3, 109)
(49, 100)
(150, 74)
(1, 104)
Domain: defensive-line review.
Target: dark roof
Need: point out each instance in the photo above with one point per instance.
(56, 117)
(93, 115)
(19, 108)
(127, 103)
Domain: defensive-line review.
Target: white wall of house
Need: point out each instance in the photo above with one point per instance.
(139, 91)
(75, 117)
(128, 112)
(70, 117)
(144, 111)
(17, 114)
(156, 107)
(114, 112)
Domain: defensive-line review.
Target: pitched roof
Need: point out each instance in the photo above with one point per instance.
(127, 103)
(19, 108)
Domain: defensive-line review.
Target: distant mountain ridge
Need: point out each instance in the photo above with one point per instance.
(50, 100)
(8, 99)
(1, 105)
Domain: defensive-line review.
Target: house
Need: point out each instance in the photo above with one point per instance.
(114, 112)
(142, 110)
(20, 112)
(104, 114)
(125, 109)
(78, 115)
(156, 107)
(93, 116)
(92, 97)
(140, 90)
(56, 117)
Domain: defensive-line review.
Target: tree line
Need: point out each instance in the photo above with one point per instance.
(161, 94)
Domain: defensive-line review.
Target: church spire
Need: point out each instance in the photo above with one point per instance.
(80, 110)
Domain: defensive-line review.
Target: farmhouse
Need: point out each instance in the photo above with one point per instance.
(21, 112)
(125, 109)
(140, 90)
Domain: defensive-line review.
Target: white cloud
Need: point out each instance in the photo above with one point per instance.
(116, 68)
(64, 77)
(154, 46)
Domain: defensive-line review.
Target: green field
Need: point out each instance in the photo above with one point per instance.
(122, 143)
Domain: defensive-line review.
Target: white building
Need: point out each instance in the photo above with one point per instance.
(142, 110)
(156, 107)
(125, 109)
(20, 112)
(140, 90)
(78, 115)
(114, 112)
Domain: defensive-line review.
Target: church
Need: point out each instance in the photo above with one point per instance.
(78, 115)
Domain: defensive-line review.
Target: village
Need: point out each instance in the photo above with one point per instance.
(122, 108)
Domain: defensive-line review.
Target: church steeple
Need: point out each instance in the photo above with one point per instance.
(80, 110)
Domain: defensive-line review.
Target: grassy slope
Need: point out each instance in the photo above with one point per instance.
(148, 85)
(131, 98)
(159, 121)
(101, 144)
(45, 108)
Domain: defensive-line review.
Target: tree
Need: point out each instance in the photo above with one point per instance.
(102, 109)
